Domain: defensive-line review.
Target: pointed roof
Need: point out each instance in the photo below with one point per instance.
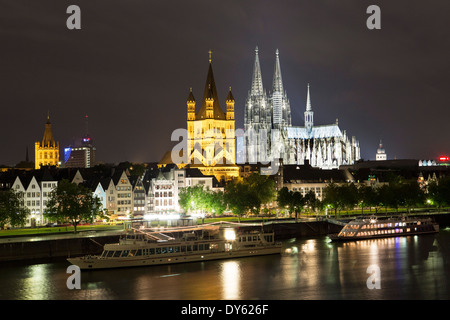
(230, 96)
(191, 96)
(277, 80)
(308, 101)
(48, 139)
(257, 84)
(210, 92)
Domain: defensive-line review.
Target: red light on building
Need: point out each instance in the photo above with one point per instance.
(443, 158)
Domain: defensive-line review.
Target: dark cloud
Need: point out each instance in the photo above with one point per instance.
(132, 64)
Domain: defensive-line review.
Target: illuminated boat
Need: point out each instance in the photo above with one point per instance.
(146, 247)
(373, 228)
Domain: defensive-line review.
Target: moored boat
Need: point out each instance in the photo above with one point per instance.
(143, 247)
(373, 228)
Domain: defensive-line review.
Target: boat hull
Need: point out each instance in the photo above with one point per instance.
(95, 262)
(336, 238)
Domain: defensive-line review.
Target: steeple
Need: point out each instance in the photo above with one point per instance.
(281, 110)
(210, 93)
(191, 106)
(308, 101)
(257, 85)
(309, 114)
(48, 140)
(277, 80)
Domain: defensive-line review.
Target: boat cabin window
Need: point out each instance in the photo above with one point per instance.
(117, 254)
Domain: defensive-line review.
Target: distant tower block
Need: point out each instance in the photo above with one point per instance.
(381, 154)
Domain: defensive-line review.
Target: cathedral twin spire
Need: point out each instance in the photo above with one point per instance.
(274, 110)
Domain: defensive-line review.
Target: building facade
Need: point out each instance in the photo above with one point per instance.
(381, 153)
(46, 151)
(211, 133)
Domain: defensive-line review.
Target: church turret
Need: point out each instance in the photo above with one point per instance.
(230, 106)
(191, 106)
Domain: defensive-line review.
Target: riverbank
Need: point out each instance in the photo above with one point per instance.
(38, 247)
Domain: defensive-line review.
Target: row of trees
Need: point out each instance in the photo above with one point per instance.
(240, 196)
(72, 203)
(396, 194)
(253, 194)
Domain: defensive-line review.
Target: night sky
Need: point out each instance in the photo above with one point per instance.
(131, 65)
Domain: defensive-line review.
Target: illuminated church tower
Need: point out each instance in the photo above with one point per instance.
(211, 132)
(46, 152)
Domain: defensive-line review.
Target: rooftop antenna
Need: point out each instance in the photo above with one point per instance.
(87, 124)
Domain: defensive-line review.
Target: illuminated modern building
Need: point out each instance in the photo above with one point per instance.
(46, 152)
(269, 134)
(83, 154)
(79, 157)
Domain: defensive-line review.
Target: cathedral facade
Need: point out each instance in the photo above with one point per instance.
(269, 134)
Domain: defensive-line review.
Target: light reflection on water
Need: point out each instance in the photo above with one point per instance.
(411, 268)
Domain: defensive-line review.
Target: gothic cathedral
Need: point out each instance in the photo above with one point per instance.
(269, 134)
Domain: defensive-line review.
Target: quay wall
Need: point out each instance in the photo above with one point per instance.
(56, 248)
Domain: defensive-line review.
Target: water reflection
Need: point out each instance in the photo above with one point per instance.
(230, 275)
(411, 268)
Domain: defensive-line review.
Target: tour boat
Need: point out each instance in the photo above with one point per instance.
(372, 228)
(145, 247)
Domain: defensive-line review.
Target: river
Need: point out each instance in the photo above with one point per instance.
(414, 267)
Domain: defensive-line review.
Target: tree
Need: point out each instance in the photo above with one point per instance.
(12, 210)
(239, 197)
(262, 188)
(217, 203)
(310, 200)
(331, 197)
(411, 194)
(72, 203)
(349, 195)
(198, 198)
(293, 201)
(367, 196)
(439, 192)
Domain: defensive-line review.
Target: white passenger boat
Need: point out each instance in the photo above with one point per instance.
(372, 228)
(144, 247)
